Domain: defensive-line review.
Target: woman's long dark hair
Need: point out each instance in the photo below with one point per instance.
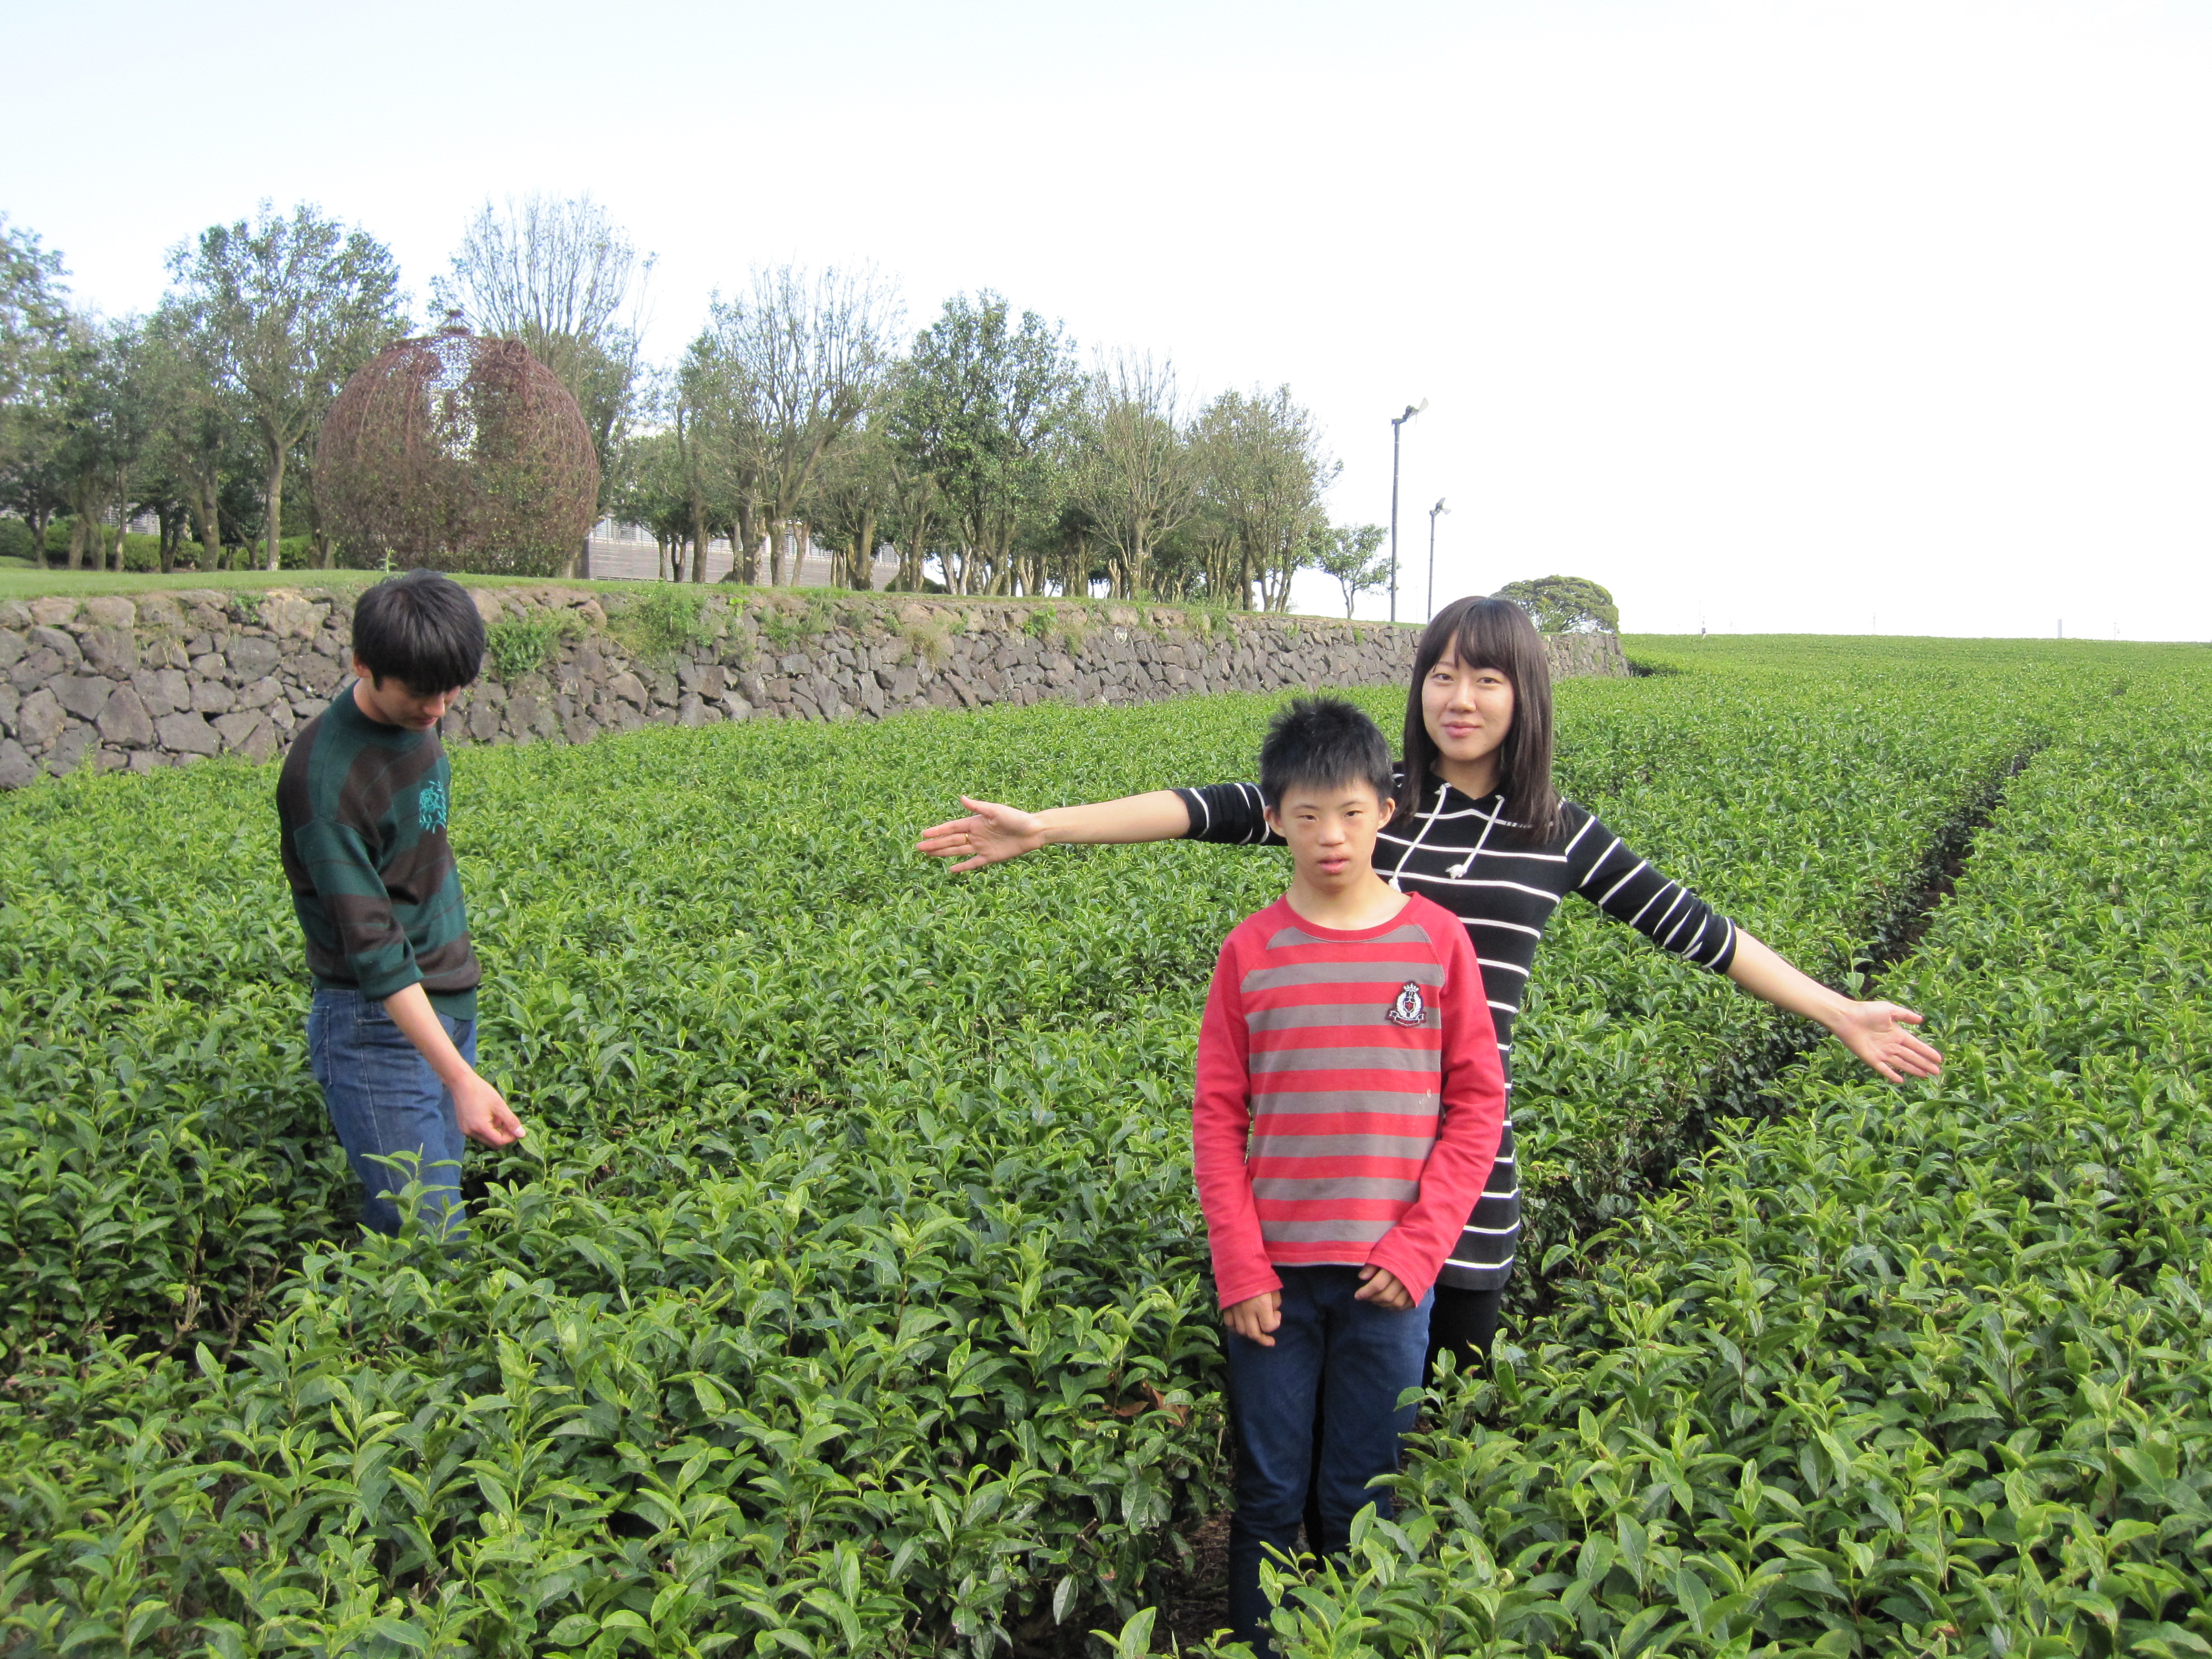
(1486, 632)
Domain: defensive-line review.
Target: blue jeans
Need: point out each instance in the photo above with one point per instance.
(384, 1100)
(1352, 1360)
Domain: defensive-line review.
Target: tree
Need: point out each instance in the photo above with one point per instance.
(31, 483)
(560, 275)
(1134, 475)
(981, 403)
(291, 308)
(33, 329)
(193, 439)
(33, 334)
(98, 417)
(1263, 473)
(855, 497)
(790, 366)
(1565, 605)
(1346, 554)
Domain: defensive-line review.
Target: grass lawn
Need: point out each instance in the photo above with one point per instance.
(20, 581)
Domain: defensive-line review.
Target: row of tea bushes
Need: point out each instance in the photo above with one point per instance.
(847, 1297)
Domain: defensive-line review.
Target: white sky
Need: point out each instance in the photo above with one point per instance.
(1807, 317)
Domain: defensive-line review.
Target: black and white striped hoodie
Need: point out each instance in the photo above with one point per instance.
(1451, 851)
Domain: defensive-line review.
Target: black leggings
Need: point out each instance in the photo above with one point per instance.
(1465, 1321)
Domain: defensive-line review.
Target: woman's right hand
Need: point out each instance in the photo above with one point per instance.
(992, 834)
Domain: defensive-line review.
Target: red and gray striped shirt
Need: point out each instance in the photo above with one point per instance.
(1349, 1097)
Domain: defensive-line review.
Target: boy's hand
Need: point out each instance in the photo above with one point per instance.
(1255, 1316)
(478, 1109)
(483, 1114)
(1380, 1285)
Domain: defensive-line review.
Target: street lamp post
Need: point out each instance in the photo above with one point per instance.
(1396, 423)
(1433, 512)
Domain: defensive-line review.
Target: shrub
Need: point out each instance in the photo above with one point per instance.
(667, 621)
(517, 646)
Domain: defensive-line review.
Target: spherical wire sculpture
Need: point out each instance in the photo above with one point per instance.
(460, 452)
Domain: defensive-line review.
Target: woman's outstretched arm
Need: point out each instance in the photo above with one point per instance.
(1874, 1031)
(992, 834)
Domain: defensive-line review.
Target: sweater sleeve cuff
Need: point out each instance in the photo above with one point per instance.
(379, 987)
(1418, 1277)
(1246, 1285)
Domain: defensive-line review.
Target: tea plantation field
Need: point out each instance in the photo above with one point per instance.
(847, 1297)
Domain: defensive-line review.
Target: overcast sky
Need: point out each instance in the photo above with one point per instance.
(1816, 317)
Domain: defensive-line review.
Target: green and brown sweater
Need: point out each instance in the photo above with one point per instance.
(362, 808)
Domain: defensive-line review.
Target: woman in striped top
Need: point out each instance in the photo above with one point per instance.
(1481, 831)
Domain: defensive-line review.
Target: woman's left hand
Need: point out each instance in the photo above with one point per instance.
(1876, 1032)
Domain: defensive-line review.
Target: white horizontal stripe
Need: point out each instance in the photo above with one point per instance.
(1623, 882)
(1492, 921)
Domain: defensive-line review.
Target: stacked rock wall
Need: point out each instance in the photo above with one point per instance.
(167, 678)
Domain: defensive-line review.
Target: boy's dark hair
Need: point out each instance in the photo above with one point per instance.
(1324, 741)
(422, 630)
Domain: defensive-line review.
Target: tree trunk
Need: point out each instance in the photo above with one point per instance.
(207, 514)
(76, 542)
(276, 506)
(698, 531)
(864, 553)
(744, 544)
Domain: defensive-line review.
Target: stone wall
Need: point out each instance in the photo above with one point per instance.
(166, 679)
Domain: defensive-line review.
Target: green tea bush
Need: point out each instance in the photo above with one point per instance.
(847, 1295)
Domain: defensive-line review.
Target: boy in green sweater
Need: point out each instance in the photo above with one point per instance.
(363, 804)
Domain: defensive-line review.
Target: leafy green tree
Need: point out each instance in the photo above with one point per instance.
(194, 440)
(856, 499)
(33, 334)
(1347, 554)
(1262, 471)
(657, 492)
(34, 326)
(982, 403)
(1565, 605)
(814, 352)
(98, 411)
(1134, 473)
(291, 308)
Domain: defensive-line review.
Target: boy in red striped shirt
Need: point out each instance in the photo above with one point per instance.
(1348, 1106)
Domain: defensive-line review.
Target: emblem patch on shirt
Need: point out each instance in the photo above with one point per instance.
(431, 806)
(1408, 1009)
